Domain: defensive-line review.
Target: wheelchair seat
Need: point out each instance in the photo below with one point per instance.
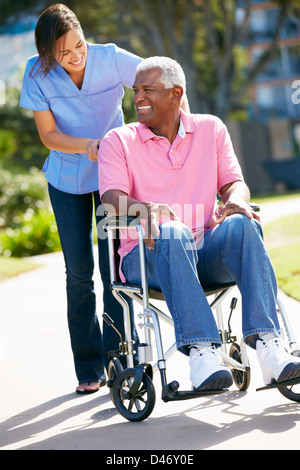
(158, 295)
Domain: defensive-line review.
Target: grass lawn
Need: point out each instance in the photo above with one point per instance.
(261, 198)
(282, 238)
(10, 267)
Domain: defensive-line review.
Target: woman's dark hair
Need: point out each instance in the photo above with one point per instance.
(51, 25)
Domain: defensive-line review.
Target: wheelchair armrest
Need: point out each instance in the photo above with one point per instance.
(121, 222)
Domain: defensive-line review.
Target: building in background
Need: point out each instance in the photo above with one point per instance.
(17, 45)
(270, 141)
(272, 90)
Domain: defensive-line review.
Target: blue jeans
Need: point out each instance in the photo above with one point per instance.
(231, 251)
(74, 218)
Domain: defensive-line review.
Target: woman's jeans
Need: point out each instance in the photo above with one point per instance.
(233, 250)
(74, 218)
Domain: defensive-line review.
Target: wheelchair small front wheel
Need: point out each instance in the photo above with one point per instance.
(134, 406)
(292, 392)
(114, 369)
(241, 378)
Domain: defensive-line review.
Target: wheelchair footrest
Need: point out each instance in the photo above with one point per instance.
(285, 383)
(173, 395)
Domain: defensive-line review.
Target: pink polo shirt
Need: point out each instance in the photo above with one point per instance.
(186, 174)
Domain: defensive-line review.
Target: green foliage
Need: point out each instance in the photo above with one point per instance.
(35, 235)
(20, 145)
(10, 12)
(27, 224)
(10, 267)
(282, 238)
(20, 196)
(7, 144)
(287, 267)
(128, 107)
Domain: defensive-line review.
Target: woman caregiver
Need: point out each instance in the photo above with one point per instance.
(75, 91)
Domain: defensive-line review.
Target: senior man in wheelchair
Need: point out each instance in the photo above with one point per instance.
(167, 168)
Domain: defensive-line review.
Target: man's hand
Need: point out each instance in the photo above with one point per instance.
(234, 207)
(151, 212)
(235, 197)
(155, 213)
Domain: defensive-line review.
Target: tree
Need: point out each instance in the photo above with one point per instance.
(12, 12)
(204, 36)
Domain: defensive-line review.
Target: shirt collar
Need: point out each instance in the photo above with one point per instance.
(181, 130)
(188, 122)
(187, 125)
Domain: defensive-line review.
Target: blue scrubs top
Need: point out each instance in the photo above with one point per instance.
(89, 112)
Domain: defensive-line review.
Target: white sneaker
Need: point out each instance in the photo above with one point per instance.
(206, 369)
(275, 361)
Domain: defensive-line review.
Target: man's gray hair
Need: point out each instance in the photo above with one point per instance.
(172, 72)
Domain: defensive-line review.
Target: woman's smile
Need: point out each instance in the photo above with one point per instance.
(78, 63)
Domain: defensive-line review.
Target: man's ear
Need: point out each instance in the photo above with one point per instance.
(177, 92)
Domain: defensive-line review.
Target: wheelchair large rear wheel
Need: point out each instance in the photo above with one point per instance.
(135, 406)
(292, 392)
(241, 378)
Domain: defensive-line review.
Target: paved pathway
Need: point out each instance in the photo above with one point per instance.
(39, 409)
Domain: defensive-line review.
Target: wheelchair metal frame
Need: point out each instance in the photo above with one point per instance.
(237, 358)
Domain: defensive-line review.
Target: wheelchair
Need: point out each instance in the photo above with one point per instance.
(131, 388)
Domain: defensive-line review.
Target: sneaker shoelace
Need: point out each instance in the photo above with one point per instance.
(207, 354)
(275, 348)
